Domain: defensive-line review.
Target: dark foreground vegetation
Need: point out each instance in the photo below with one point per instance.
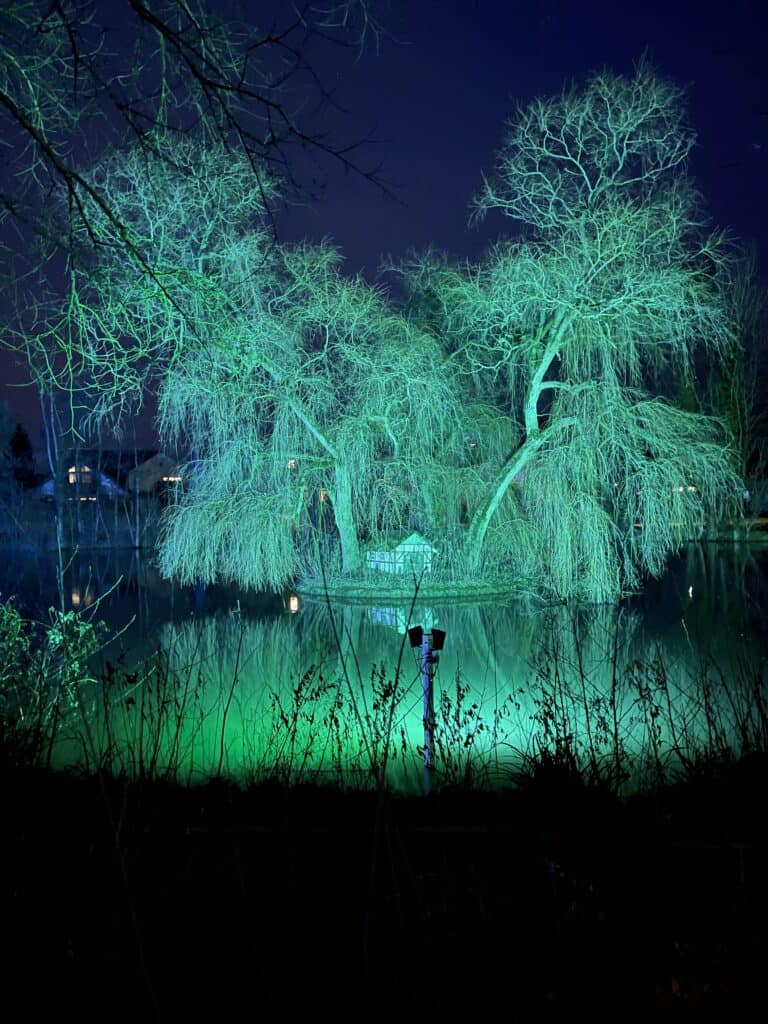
(131, 900)
(317, 888)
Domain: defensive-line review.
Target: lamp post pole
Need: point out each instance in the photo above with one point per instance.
(428, 659)
(429, 642)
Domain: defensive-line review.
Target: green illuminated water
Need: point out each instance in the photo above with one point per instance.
(242, 686)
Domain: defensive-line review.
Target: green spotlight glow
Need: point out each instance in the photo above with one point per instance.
(275, 699)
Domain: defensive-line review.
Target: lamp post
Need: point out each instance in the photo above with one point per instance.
(429, 643)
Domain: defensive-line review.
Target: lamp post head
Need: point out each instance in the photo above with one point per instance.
(415, 635)
(435, 637)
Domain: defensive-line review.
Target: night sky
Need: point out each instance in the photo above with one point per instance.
(435, 97)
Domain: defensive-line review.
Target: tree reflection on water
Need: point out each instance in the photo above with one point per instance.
(244, 686)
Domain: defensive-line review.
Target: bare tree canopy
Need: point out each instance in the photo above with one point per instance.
(518, 413)
(614, 279)
(77, 77)
(306, 401)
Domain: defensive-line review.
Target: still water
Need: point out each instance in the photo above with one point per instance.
(212, 681)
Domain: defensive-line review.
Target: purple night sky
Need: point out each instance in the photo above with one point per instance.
(436, 95)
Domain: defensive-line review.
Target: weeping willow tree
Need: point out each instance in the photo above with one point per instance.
(612, 283)
(317, 418)
(333, 435)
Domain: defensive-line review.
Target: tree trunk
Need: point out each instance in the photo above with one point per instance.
(481, 520)
(53, 453)
(351, 558)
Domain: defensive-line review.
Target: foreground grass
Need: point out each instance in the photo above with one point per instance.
(144, 900)
(227, 699)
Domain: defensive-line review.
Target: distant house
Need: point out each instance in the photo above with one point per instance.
(153, 473)
(414, 554)
(118, 462)
(83, 482)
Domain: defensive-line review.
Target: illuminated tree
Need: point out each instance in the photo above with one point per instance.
(79, 80)
(574, 325)
(320, 419)
(516, 414)
(317, 418)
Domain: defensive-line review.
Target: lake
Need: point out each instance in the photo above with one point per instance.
(204, 682)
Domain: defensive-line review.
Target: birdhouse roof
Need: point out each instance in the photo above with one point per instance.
(415, 543)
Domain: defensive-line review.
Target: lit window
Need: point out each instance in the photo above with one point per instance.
(82, 599)
(79, 474)
(292, 465)
(323, 494)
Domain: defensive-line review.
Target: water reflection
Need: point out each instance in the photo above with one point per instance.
(257, 685)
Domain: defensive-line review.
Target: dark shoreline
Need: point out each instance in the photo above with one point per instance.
(147, 901)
